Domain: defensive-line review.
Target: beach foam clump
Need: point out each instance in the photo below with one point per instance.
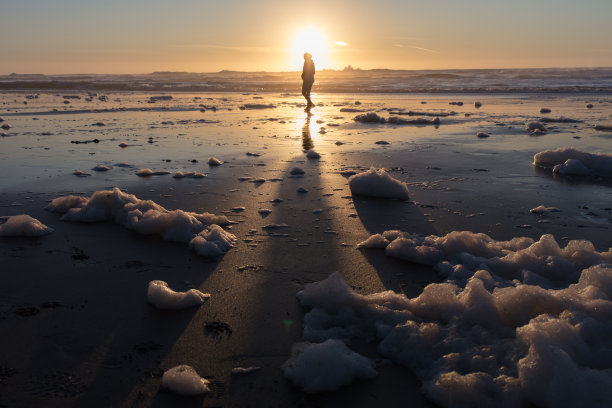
(22, 225)
(200, 231)
(378, 183)
(326, 366)
(542, 209)
(148, 172)
(190, 174)
(515, 323)
(184, 380)
(161, 296)
(571, 161)
(213, 161)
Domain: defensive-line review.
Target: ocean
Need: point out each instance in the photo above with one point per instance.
(512, 81)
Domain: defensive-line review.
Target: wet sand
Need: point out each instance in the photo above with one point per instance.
(79, 331)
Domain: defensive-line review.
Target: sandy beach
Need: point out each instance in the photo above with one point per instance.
(78, 329)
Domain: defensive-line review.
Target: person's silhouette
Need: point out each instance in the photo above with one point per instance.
(308, 73)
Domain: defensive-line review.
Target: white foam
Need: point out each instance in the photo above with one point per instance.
(378, 183)
(148, 172)
(568, 160)
(184, 380)
(160, 295)
(326, 366)
(213, 161)
(212, 241)
(374, 241)
(572, 166)
(191, 174)
(146, 217)
(244, 370)
(22, 225)
(63, 204)
(542, 209)
(515, 323)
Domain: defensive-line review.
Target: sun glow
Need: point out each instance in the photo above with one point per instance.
(310, 40)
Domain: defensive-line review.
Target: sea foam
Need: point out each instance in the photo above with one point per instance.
(23, 225)
(515, 323)
(161, 296)
(200, 231)
(568, 160)
(378, 183)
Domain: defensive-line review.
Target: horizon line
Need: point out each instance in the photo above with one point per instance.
(351, 69)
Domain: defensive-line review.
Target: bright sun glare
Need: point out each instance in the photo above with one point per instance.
(310, 40)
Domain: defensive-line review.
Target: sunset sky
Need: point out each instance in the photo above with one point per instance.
(141, 36)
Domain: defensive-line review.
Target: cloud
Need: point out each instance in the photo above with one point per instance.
(424, 49)
(340, 43)
(232, 48)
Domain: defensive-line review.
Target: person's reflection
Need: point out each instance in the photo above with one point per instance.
(306, 139)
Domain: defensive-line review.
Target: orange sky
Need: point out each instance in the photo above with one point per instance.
(138, 36)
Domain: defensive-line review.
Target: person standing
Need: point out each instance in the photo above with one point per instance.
(308, 73)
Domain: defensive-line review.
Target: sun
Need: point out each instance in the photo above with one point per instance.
(310, 40)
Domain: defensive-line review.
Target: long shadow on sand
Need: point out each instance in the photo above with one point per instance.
(305, 251)
(378, 215)
(93, 336)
